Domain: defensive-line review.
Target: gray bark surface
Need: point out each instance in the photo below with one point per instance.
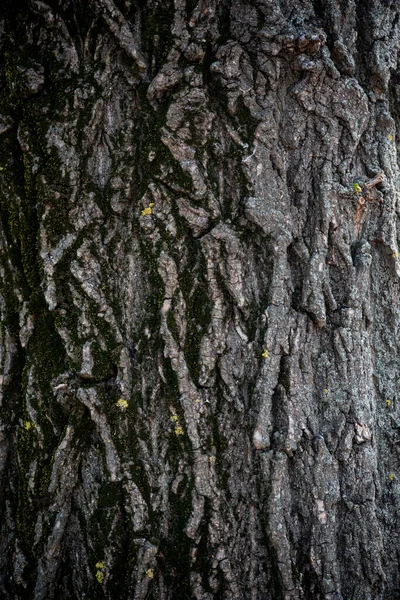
(199, 303)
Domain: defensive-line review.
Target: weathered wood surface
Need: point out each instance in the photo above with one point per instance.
(199, 300)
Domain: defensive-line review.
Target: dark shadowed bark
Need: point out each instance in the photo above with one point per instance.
(199, 338)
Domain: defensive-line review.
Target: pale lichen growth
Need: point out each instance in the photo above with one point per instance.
(178, 428)
(100, 566)
(265, 354)
(122, 404)
(150, 573)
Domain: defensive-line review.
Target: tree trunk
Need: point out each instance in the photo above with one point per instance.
(199, 300)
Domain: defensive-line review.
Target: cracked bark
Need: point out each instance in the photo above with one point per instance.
(199, 300)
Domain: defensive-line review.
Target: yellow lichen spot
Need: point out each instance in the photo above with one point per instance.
(326, 391)
(100, 565)
(122, 404)
(390, 137)
(150, 573)
(151, 204)
(100, 576)
(395, 254)
(392, 477)
(174, 418)
(265, 354)
(356, 188)
(211, 459)
(147, 211)
(197, 400)
(27, 425)
(178, 430)
(388, 402)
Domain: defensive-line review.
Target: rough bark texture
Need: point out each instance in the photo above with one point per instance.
(199, 300)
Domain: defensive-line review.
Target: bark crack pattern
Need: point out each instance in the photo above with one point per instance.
(199, 300)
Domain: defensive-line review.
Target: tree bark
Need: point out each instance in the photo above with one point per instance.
(199, 338)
